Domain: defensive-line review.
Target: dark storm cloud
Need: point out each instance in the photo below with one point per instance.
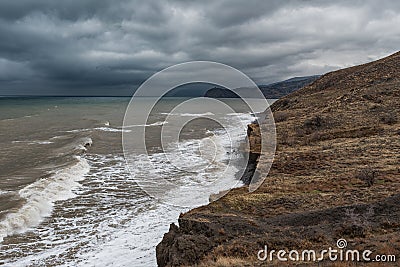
(110, 47)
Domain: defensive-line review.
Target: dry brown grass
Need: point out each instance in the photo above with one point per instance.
(334, 130)
(367, 175)
(281, 116)
(225, 262)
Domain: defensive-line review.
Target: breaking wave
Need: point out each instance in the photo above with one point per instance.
(40, 197)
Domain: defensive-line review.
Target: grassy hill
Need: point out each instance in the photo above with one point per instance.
(336, 174)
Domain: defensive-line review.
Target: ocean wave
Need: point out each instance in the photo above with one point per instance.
(40, 197)
(189, 114)
(7, 119)
(27, 116)
(60, 137)
(30, 116)
(35, 142)
(196, 114)
(102, 231)
(3, 192)
(105, 128)
(78, 130)
(191, 189)
(109, 129)
(83, 143)
(158, 123)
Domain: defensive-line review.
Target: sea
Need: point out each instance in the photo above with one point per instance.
(67, 196)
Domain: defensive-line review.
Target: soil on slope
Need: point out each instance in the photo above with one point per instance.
(336, 174)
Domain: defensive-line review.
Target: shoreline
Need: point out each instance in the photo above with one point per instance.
(335, 176)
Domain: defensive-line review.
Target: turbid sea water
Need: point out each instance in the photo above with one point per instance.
(67, 197)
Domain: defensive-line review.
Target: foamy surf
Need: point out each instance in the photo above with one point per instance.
(34, 142)
(158, 123)
(111, 221)
(40, 197)
(2, 192)
(134, 244)
(109, 129)
(189, 114)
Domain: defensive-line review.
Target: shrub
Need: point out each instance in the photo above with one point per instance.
(389, 118)
(356, 224)
(314, 122)
(315, 137)
(367, 175)
(285, 139)
(284, 102)
(281, 116)
(369, 96)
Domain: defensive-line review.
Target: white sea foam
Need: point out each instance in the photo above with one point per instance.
(134, 244)
(60, 137)
(40, 197)
(3, 192)
(196, 114)
(106, 128)
(116, 225)
(7, 119)
(109, 129)
(30, 116)
(189, 114)
(78, 130)
(34, 142)
(215, 167)
(158, 123)
(12, 119)
(83, 143)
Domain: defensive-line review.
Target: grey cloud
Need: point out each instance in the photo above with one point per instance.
(110, 47)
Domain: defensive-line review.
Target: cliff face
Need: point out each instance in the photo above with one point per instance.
(336, 174)
(270, 91)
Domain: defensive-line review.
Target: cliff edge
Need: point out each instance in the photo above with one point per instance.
(336, 175)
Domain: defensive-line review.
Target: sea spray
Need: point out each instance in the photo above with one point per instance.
(40, 197)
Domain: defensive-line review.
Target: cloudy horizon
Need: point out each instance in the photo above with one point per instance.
(99, 47)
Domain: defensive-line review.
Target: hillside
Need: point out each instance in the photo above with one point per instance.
(270, 91)
(336, 175)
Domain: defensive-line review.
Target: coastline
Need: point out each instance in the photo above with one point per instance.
(332, 135)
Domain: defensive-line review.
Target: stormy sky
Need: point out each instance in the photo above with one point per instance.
(101, 47)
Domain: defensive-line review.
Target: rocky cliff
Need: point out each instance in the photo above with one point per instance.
(336, 174)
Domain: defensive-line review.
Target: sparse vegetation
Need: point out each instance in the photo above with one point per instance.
(319, 189)
(369, 96)
(368, 175)
(224, 262)
(356, 224)
(314, 122)
(280, 116)
(284, 102)
(389, 118)
(286, 139)
(314, 137)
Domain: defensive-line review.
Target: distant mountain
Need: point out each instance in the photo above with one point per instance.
(190, 90)
(270, 91)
